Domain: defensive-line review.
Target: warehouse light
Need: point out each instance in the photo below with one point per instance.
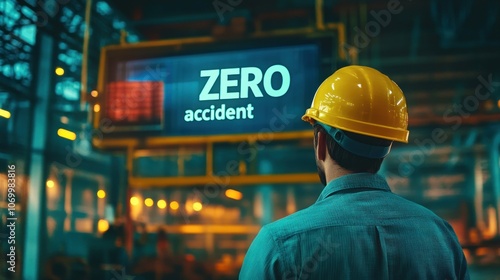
(50, 184)
(234, 194)
(97, 108)
(134, 200)
(161, 204)
(149, 202)
(59, 71)
(64, 133)
(197, 206)
(102, 225)
(4, 113)
(174, 205)
(94, 93)
(101, 194)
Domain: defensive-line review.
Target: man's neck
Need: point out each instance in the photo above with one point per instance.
(335, 171)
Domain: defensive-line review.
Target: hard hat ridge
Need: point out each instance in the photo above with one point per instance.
(361, 100)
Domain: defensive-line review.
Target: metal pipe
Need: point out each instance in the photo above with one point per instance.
(340, 27)
(68, 209)
(495, 174)
(187, 181)
(123, 37)
(210, 159)
(320, 21)
(85, 55)
(190, 18)
(478, 193)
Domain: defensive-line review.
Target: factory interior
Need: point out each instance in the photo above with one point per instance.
(154, 139)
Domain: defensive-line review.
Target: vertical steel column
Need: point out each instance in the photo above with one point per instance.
(85, 57)
(129, 226)
(267, 203)
(35, 218)
(478, 194)
(495, 174)
(265, 167)
(291, 202)
(69, 221)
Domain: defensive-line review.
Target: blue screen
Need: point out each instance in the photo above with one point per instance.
(249, 91)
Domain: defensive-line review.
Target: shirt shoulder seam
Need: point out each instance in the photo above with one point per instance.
(283, 237)
(281, 252)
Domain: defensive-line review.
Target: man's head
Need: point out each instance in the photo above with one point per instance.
(357, 113)
(343, 158)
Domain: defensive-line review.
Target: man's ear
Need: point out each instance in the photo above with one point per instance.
(321, 146)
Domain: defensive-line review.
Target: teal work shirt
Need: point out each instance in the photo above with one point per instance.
(357, 229)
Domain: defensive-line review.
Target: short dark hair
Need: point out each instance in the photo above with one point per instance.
(348, 160)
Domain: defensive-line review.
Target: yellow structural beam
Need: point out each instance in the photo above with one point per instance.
(115, 143)
(224, 181)
(190, 140)
(201, 229)
(229, 138)
(210, 159)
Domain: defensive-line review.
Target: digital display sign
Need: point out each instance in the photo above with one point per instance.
(216, 93)
(132, 104)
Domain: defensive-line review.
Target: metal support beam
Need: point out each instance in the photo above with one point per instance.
(237, 180)
(85, 56)
(478, 194)
(266, 192)
(495, 174)
(35, 214)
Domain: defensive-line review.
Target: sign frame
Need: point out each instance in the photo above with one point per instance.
(103, 128)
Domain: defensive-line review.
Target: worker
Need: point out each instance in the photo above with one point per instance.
(357, 228)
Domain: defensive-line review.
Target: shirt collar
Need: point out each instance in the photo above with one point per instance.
(354, 181)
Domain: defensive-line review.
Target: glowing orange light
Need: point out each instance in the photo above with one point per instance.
(149, 202)
(197, 206)
(134, 200)
(64, 133)
(94, 93)
(161, 204)
(50, 184)
(174, 205)
(4, 113)
(234, 194)
(102, 225)
(101, 194)
(59, 71)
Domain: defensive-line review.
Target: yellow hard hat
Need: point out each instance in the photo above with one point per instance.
(361, 100)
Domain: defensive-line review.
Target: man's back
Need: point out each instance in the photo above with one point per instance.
(357, 229)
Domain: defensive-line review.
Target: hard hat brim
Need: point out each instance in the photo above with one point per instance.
(369, 129)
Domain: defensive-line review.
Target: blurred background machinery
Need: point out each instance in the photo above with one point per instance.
(104, 192)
